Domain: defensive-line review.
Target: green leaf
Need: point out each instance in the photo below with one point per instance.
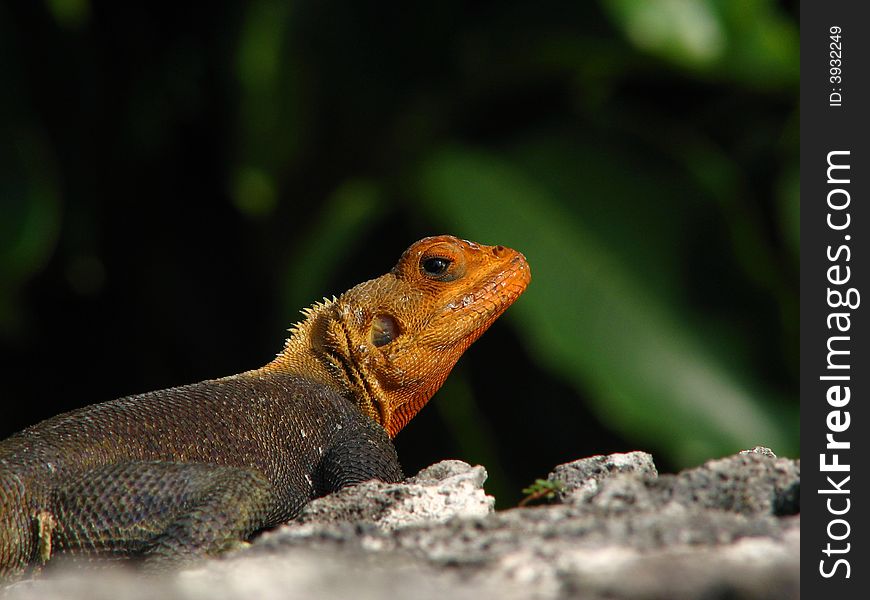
(30, 205)
(588, 316)
(687, 32)
(748, 41)
(345, 216)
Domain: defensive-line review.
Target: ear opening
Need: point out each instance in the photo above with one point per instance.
(384, 330)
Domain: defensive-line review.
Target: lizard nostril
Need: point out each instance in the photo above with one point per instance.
(498, 251)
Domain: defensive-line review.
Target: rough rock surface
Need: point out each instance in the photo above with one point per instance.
(582, 479)
(447, 489)
(727, 529)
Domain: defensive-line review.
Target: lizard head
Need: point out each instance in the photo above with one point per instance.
(391, 342)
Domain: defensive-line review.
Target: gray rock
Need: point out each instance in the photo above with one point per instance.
(759, 450)
(726, 529)
(445, 490)
(581, 479)
(746, 483)
(291, 574)
(753, 481)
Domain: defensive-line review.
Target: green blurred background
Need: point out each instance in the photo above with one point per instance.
(177, 181)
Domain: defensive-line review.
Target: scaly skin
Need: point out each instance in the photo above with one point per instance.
(173, 475)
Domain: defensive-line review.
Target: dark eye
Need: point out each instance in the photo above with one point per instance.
(435, 266)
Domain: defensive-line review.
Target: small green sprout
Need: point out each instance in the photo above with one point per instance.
(542, 489)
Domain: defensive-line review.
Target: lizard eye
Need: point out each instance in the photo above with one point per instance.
(384, 330)
(442, 262)
(435, 266)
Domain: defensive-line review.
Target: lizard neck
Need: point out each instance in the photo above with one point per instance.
(319, 349)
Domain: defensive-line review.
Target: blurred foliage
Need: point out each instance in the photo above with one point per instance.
(592, 315)
(643, 155)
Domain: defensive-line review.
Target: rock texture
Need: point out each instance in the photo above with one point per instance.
(447, 489)
(616, 529)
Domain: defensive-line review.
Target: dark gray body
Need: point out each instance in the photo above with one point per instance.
(179, 473)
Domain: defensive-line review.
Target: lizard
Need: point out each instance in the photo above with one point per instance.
(169, 477)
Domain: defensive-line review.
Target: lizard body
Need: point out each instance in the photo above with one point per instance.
(172, 475)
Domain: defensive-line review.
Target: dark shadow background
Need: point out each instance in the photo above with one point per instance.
(176, 182)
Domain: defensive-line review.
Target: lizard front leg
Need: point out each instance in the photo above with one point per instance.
(361, 452)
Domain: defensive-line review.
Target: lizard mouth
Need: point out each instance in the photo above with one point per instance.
(492, 296)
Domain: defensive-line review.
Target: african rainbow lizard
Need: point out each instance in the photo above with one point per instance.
(169, 476)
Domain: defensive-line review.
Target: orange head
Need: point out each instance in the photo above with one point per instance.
(390, 342)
